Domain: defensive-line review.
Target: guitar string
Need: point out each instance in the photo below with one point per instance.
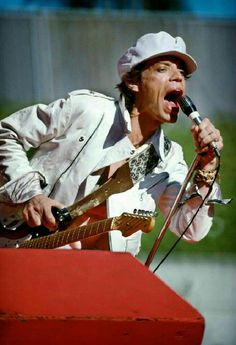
(69, 236)
(58, 239)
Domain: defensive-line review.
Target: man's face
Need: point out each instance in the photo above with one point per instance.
(162, 82)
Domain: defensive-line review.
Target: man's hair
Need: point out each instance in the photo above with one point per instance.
(132, 76)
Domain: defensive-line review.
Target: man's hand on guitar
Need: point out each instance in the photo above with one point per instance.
(38, 211)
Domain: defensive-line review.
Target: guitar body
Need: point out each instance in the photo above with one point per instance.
(12, 234)
(13, 238)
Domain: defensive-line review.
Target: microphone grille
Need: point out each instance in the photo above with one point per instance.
(186, 105)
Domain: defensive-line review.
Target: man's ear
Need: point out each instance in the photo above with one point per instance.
(133, 87)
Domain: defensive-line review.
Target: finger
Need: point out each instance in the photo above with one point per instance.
(208, 135)
(205, 123)
(194, 131)
(219, 143)
(31, 217)
(48, 219)
(207, 153)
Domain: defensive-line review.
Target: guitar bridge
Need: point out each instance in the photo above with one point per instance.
(145, 213)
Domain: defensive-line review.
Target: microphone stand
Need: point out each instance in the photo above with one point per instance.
(172, 211)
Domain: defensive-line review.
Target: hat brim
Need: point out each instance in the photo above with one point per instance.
(189, 62)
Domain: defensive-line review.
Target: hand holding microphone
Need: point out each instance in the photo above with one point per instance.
(190, 110)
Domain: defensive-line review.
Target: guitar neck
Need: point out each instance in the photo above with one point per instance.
(126, 223)
(61, 238)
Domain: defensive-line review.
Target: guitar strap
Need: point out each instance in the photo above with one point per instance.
(132, 171)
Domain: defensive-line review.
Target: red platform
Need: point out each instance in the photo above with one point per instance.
(89, 297)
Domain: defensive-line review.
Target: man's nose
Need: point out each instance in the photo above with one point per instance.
(176, 75)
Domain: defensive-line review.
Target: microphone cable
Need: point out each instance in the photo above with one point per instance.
(191, 221)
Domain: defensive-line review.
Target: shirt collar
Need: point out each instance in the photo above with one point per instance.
(125, 114)
(157, 140)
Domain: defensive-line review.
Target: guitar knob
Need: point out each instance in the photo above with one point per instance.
(62, 216)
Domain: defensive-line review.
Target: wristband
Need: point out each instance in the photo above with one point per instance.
(205, 176)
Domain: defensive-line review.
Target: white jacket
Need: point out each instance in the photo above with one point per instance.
(77, 136)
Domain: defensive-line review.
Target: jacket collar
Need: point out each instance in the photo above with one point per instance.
(125, 114)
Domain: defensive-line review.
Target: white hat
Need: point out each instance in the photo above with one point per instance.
(152, 45)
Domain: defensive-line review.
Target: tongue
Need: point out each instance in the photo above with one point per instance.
(169, 105)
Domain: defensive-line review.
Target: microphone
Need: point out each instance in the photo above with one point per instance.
(189, 109)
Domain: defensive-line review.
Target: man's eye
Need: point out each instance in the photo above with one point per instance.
(161, 69)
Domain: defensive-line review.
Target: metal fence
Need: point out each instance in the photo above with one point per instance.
(45, 54)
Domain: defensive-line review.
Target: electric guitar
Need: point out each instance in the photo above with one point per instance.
(127, 223)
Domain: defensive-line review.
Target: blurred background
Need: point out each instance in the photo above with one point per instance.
(49, 48)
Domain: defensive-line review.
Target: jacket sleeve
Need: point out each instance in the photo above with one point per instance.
(24, 130)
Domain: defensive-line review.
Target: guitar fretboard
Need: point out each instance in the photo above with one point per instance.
(62, 238)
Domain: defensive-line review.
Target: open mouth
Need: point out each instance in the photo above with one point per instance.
(172, 96)
(170, 100)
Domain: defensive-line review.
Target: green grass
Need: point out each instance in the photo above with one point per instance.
(222, 237)
(9, 108)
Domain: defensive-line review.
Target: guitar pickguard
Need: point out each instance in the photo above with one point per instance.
(13, 242)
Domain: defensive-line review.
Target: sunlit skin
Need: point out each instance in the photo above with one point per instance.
(160, 78)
